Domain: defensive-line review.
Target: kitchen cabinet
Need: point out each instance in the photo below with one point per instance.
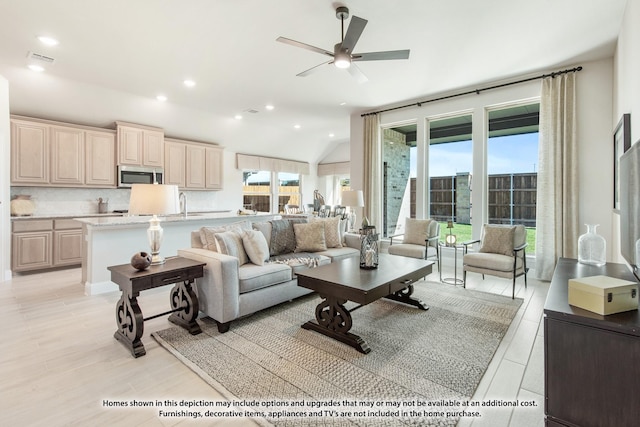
(175, 163)
(47, 153)
(192, 165)
(100, 159)
(67, 155)
(140, 145)
(29, 153)
(45, 243)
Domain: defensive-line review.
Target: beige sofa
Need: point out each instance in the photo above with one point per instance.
(232, 287)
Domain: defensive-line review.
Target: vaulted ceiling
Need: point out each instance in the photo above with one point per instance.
(115, 56)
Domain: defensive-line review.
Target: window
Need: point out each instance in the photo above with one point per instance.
(256, 190)
(288, 190)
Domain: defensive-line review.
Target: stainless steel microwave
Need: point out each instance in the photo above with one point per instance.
(129, 175)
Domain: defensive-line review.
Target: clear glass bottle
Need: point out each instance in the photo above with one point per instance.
(592, 248)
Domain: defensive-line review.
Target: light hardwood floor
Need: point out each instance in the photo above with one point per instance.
(59, 361)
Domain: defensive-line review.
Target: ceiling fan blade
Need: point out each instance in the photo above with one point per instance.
(303, 46)
(312, 69)
(356, 26)
(381, 56)
(357, 74)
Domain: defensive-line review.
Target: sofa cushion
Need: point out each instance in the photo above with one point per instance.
(207, 233)
(338, 254)
(252, 277)
(256, 246)
(265, 228)
(497, 239)
(309, 237)
(301, 261)
(332, 230)
(491, 261)
(230, 243)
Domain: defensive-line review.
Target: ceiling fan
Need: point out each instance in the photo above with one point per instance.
(342, 55)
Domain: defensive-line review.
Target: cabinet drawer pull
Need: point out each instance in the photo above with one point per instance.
(172, 279)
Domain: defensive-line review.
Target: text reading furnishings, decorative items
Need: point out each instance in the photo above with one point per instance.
(621, 143)
(502, 253)
(343, 281)
(184, 302)
(154, 199)
(368, 247)
(591, 367)
(592, 247)
(429, 355)
(352, 199)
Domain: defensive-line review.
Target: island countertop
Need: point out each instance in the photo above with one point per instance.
(125, 220)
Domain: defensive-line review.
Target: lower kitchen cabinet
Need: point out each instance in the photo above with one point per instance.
(45, 243)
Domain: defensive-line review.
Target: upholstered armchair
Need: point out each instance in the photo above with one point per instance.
(419, 240)
(502, 253)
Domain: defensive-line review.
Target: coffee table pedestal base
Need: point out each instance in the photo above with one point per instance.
(404, 296)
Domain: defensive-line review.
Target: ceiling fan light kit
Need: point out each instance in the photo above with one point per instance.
(343, 56)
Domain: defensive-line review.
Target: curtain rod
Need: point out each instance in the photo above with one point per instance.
(477, 91)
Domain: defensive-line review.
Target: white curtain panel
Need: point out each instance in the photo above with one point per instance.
(557, 195)
(372, 170)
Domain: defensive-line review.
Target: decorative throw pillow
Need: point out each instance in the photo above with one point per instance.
(416, 231)
(230, 243)
(310, 237)
(497, 239)
(207, 233)
(283, 238)
(332, 232)
(256, 246)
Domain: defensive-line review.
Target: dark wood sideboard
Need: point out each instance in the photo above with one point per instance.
(591, 362)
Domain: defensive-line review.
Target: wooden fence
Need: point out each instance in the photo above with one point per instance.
(512, 198)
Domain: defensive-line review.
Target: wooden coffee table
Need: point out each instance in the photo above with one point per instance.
(343, 281)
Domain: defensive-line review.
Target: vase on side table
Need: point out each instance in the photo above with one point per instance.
(592, 247)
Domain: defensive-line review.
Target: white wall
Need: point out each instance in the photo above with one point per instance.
(626, 91)
(594, 86)
(5, 165)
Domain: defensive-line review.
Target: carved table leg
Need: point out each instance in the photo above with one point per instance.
(184, 299)
(404, 295)
(130, 324)
(334, 321)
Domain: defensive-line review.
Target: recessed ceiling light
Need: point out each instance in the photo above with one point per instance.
(296, 126)
(331, 135)
(161, 98)
(237, 117)
(269, 107)
(343, 103)
(49, 41)
(189, 83)
(37, 68)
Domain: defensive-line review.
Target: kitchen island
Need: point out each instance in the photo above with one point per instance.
(113, 240)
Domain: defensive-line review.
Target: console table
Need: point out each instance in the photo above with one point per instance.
(184, 302)
(591, 362)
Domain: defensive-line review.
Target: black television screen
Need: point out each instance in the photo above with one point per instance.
(630, 206)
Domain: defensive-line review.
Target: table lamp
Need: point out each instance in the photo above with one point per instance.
(451, 238)
(352, 199)
(154, 199)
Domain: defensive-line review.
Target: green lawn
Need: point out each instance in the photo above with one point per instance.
(463, 234)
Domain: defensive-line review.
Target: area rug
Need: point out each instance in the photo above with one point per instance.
(423, 367)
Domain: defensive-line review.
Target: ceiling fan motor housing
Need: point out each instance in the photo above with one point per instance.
(342, 12)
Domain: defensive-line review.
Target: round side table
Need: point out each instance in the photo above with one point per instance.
(450, 280)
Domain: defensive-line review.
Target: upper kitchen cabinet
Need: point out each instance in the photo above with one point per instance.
(140, 145)
(29, 153)
(48, 153)
(193, 165)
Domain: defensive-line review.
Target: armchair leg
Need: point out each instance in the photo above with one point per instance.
(464, 278)
(513, 292)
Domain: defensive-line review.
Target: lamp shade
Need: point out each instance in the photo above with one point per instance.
(154, 199)
(352, 198)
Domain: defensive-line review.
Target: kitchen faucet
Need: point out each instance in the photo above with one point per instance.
(183, 204)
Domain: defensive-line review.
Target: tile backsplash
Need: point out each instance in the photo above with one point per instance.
(84, 201)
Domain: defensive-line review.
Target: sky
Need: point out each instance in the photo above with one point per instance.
(506, 154)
